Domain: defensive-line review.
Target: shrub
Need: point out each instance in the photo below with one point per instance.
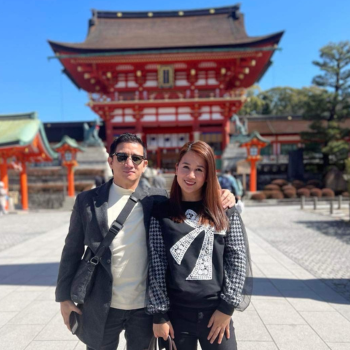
(290, 194)
(298, 184)
(316, 192)
(327, 192)
(289, 188)
(272, 187)
(260, 196)
(310, 187)
(275, 195)
(345, 194)
(279, 182)
(315, 183)
(303, 192)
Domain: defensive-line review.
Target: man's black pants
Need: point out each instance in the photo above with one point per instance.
(191, 325)
(137, 325)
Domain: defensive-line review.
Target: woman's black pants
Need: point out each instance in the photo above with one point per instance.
(191, 325)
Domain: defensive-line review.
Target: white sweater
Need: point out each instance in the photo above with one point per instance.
(129, 253)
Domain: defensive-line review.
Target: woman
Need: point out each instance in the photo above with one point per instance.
(198, 258)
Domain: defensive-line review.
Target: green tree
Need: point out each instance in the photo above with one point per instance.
(328, 106)
(275, 101)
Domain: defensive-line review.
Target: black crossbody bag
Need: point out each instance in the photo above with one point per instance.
(84, 278)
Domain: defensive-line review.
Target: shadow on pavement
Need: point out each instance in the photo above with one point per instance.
(45, 274)
(336, 228)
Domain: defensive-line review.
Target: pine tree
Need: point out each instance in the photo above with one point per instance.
(328, 107)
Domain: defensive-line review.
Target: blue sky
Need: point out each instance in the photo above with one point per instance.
(29, 82)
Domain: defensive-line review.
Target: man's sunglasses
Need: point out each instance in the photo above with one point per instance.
(122, 158)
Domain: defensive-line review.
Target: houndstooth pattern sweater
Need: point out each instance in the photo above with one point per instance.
(192, 265)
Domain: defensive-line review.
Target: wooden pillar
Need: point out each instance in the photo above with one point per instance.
(70, 180)
(24, 185)
(3, 172)
(4, 176)
(109, 133)
(158, 158)
(253, 177)
(225, 134)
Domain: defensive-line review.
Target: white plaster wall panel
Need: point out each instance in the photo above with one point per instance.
(124, 67)
(160, 140)
(167, 110)
(204, 116)
(184, 110)
(207, 65)
(151, 83)
(152, 140)
(180, 65)
(120, 84)
(151, 66)
(217, 116)
(205, 109)
(174, 140)
(117, 111)
(117, 120)
(167, 140)
(182, 82)
(216, 108)
(132, 84)
(166, 118)
(185, 117)
(149, 110)
(201, 82)
(212, 81)
(129, 118)
(149, 118)
(183, 138)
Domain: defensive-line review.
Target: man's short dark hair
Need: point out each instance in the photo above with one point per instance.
(127, 138)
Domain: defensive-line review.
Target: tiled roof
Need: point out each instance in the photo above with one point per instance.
(221, 27)
(21, 129)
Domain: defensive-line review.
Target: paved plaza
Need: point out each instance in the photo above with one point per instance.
(301, 270)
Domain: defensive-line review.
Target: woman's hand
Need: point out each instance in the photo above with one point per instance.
(227, 199)
(66, 308)
(219, 323)
(163, 330)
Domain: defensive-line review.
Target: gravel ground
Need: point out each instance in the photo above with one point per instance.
(320, 244)
(17, 228)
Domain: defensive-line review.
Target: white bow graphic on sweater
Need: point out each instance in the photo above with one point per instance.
(203, 268)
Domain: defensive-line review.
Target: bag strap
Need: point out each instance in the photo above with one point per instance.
(116, 226)
(154, 342)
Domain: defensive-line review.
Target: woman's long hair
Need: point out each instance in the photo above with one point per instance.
(212, 211)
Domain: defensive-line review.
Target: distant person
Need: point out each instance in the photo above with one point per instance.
(228, 182)
(3, 198)
(159, 180)
(144, 184)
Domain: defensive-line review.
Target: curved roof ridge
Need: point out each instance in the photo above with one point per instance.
(167, 13)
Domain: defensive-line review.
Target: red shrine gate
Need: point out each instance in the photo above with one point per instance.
(171, 77)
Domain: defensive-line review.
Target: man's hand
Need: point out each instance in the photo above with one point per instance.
(219, 323)
(227, 199)
(66, 308)
(163, 330)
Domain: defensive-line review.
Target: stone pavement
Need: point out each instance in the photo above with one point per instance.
(291, 309)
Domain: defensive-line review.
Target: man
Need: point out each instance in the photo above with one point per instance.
(117, 299)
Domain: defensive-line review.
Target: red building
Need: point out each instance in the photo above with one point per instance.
(169, 76)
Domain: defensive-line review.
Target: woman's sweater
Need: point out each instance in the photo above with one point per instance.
(193, 265)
